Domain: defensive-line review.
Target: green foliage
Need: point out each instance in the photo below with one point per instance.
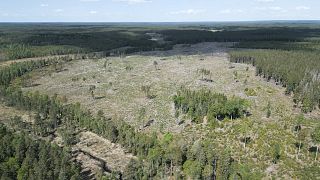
(9, 73)
(198, 104)
(207, 172)
(316, 135)
(19, 51)
(235, 74)
(298, 71)
(24, 158)
(250, 92)
(168, 137)
(54, 113)
(68, 136)
(311, 172)
(231, 34)
(316, 139)
(158, 159)
(305, 45)
(38, 40)
(192, 169)
(244, 130)
(134, 170)
(244, 171)
(276, 153)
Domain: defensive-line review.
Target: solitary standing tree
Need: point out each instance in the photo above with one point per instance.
(235, 74)
(276, 153)
(302, 135)
(155, 63)
(105, 63)
(141, 116)
(92, 94)
(146, 90)
(180, 58)
(91, 90)
(316, 139)
(268, 109)
(244, 130)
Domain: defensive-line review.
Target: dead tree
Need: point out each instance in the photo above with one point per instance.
(155, 63)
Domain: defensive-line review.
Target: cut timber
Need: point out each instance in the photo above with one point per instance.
(112, 154)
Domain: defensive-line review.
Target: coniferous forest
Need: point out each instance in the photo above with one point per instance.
(297, 71)
(25, 158)
(206, 103)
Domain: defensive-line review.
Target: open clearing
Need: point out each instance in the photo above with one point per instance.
(118, 85)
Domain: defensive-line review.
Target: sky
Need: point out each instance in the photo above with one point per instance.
(157, 10)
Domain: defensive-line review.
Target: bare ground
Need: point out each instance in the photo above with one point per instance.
(118, 91)
(113, 154)
(7, 113)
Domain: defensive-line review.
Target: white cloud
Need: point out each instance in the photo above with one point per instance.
(260, 8)
(272, 9)
(239, 11)
(229, 11)
(134, 1)
(265, 1)
(302, 8)
(189, 11)
(89, 0)
(44, 5)
(225, 11)
(58, 10)
(276, 8)
(93, 12)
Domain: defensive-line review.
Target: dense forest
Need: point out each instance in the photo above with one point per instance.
(25, 158)
(276, 34)
(298, 71)
(204, 103)
(27, 42)
(33, 41)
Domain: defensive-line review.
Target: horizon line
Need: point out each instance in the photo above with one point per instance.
(222, 21)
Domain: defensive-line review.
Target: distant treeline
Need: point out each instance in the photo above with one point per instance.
(94, 41)
(19, 51)
(245, 35)
(307, 45)
(15, 45)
